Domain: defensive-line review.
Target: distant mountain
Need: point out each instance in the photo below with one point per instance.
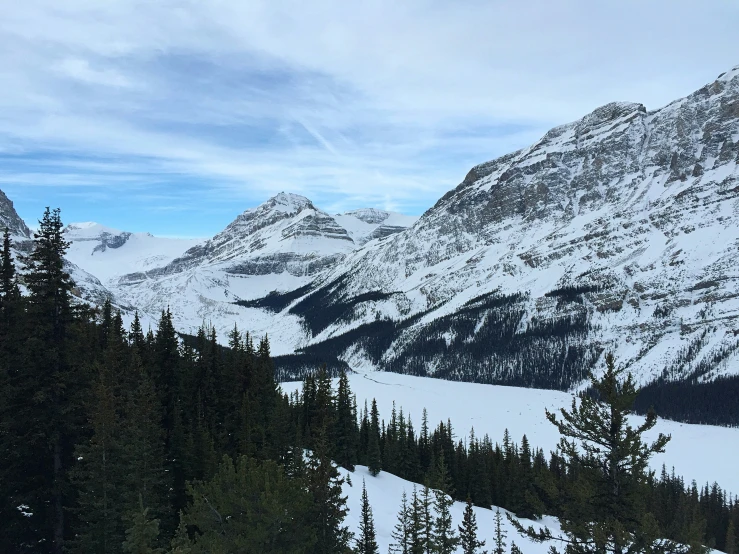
(109, 253)
(279, 246)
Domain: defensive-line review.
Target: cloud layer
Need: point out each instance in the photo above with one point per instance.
(147, 112)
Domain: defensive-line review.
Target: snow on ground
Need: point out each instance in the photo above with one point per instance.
(384, 493)
(492, 409)
(138, 251)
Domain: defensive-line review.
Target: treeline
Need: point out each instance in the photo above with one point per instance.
(121, 440)
(481, 342)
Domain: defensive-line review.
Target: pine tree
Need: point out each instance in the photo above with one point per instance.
(468, 531)
(401, 533)
(366, 542)
(500, 535)
(605, 511)
(516, 550)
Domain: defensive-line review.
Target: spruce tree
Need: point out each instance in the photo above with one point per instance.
(468, 531)
(401, 533)
(47, 400)
(730, 540)
(374, 459)
(346, 432)
(248, 506)
(427, 506)
(445, 539)
(366, 542)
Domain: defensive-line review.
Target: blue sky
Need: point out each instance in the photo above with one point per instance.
(176, 115)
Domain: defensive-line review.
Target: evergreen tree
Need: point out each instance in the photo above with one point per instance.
(730, 540)
(143, 533)
(605, 511)
(346, 432)
(500, 535)
(468, 531)
(445, 539)
(366, 542)
(374, 460)
(426, 506)
(248, 507)
(46, 400)
(329, 505)
(98, 475)
(401, 533)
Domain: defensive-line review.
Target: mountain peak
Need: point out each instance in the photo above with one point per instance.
(288, 202)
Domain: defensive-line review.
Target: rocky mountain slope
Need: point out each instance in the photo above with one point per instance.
(618, 231)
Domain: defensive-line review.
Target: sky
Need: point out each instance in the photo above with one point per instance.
(174, 116)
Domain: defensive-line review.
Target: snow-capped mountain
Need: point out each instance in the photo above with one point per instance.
(279, 246)
(618, 231)
(109, 253)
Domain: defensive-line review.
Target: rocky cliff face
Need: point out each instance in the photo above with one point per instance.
(9, 218)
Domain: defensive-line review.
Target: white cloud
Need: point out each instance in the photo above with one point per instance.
(80, 70)
(375, 103)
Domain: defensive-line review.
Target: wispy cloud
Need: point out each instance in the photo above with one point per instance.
(378, 103)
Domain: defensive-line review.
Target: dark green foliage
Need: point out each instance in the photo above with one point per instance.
(346, 433)
(374, 460)
(329, 505)
(141, 537)
(496, 352)
(250, 507)
(42, 414)
(366, 542)
(500, 535)
(468, 531)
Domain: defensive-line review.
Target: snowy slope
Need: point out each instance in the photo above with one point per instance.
(492, 409)
(368, 224)
(109, 253)
(384, 494)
